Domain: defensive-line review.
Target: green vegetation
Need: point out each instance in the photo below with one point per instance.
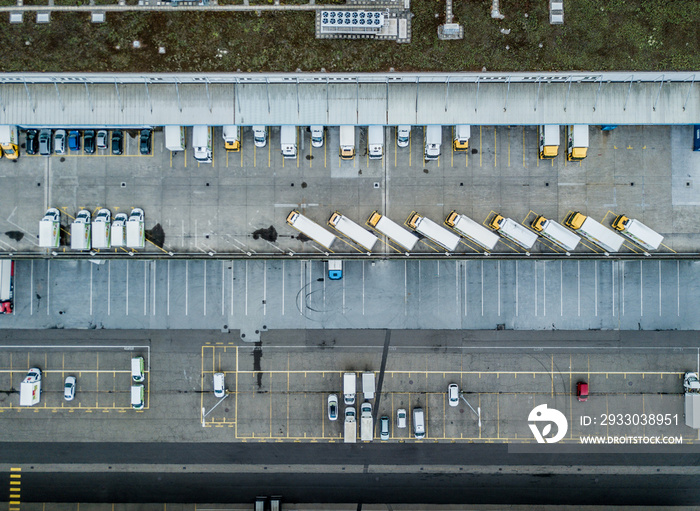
(640, 35)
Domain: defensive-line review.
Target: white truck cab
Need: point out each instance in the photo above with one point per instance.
(101, 229)
(80, 231)
(232, 138)
(49, 229)
(135, 232)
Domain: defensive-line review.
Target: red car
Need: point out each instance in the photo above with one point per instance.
(582, 391)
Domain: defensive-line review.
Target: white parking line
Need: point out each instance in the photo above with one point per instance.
(535, 288)
(641, 288)
(595, 278)
(48, 288)
(578, 271)
(659, 287)
(457, 297)
(283, 272)
(612, 270)
(205, 288)
(544, 288)
(31, 290)
(466, 292)
(517, 302)
(678, 286)
(223, 287)
(90, 289)
(145, 288)
(232, 268)
(246, 287)
(109, 288)
(499, 287)
(127, 287)
(153, 292)
(265, 288)
(167, 291)
(561, 288)
(405, 289)
(363, 285)
(623, 287)
(187, 287)
(482, 288)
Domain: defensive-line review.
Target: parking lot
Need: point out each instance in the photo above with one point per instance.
(226, 206)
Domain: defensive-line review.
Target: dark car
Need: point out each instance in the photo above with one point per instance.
(32, 141)
(145, 145)
(89, 141)
(117, 142)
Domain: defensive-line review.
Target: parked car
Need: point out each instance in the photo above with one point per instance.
(117, 142)
(32, 141)
(401, 418)
(384, 428)
(69, 388)
(403, 134)
(453, 394)
(582, 391)
(89, 141)
(219, 387)
(102, 139)
(333, 407)
(145, 144)
(45, 147)
(59, 142)
(74, 140)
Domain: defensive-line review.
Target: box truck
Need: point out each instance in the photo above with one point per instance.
(691, 385)
(101, 229)
(576, 142)
(548, 135)
(30, 388)
(335, 269)
(9, 141)
(7, 286)
(638, 232)
(433, 231)
(556, 233)
(232, 138)
(347, 142)
(288, 141)
(512, 230)
(375, 142)
(350, 425)
(349, 381)
(461, 137)
(118, 234)
(472, 230)
(366, 423)
(135, 230)
(368, 385)
(353, 231)
(311, 229)
(49, 229)
(594, 231)
(393, 231)
(316, 136)
(175, 138)
(201, 142)
(80, 231)
(433, 140)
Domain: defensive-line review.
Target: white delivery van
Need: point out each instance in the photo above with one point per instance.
(101, 229)
(347, 142)
(135, 231)
(118, 234)
(594, 231)
(175, 138)
(548, 135)
(471, 230)
(418, 423)
(403, 135)
(512, 230)
(260, 136)
(576, 142)
(316, 136)
(556, 233)
(137, 369)
(80, 231)
(201, 142)
(288, 141)
(137, 397)
(30, 388)
(375, 142)
(433, 231)
(349, 388)
(232, 138)
(433, 140)
(366, 422)
(638, 232)
(311, 229)
(461, 137)
(353, 231)
(368, 385)
(393, 231)
(49, 229)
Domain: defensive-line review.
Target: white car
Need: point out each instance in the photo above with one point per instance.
(333, 407)
(453, 394)
(69, 388)
(219, 385)
(59, 142)
(102, 139)
(401, 418)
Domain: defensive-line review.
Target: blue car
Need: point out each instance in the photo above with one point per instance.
(74, 140)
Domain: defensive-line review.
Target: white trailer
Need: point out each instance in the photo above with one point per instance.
(101, 229)
(80, 231)
(691, 385)
(556, 233)
(350, 426)
(368, 385)
(118, 234)
(512, 230)
(472, 230)
(549, 140)
(375, 142)
(135, 230)
(433, 140)
(349, 388)
(393, 231)
(366, 424)
(576, 142)
(311, 229)
(201, 142)
(30, 388)
(7, 291)
(638, 232)
(49, 229)
(288, 141)
(354, 231)
(433, 231)
(347, 142)
(175, 138)
(594, 231)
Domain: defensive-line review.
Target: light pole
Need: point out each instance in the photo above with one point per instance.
(477, 412)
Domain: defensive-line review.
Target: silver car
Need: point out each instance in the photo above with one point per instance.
(102, 139)
(59, 142)
(384, 428)
(401, 418)
(69, 388)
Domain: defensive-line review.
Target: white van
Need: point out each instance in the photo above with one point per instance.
(403, 135)
(316, 136)
(137, 397)
(201, 141)
(260, 136)
(375, 142)
(433, 140)
(219, 385)
(288, 141)
(368, 385)
(118, 234)
(232, 138)
(100, 229)
(80, 231)
(418, 423)
(175, 138)
(49, 229)
(137, 369)
(135, 232)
